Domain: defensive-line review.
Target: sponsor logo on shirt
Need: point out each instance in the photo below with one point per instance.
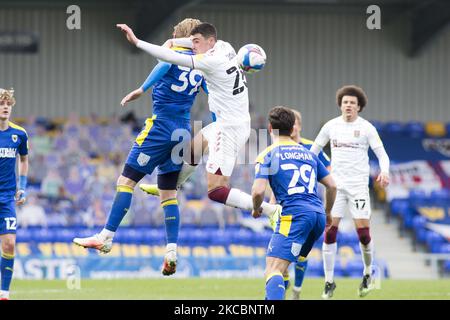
(8, 152)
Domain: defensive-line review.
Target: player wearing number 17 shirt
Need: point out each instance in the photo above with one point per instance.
(174, 90)
(350, 137)
(292, 172)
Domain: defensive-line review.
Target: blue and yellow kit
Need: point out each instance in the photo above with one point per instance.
(13, 142)
(173, 94)
(293, 172)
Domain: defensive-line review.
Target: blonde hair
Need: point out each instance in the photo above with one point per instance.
(8, 95)
(298, 115)
(184, 28)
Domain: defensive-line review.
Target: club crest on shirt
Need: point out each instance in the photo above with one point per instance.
(356, 133)
(14, 138)
(143, 159)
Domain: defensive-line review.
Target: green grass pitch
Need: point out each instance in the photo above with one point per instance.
(219, 289)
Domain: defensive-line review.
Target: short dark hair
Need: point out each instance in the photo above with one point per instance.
(353, 91)
(207, 30)
(282, 119)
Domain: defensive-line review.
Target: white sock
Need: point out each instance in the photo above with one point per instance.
(186, 171)
(329, 256)
(4, 294)
(171, 247)
(106, 234)
(366, 254)
(297, 289)
(239, 199)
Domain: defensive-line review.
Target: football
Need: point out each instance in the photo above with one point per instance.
(251, 58)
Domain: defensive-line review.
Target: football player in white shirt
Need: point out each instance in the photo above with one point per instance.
(228, 101)
(350, 137)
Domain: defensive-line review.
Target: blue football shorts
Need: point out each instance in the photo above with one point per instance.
(154, 144)
(295, 235)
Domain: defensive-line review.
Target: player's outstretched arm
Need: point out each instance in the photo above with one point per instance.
(384, 162)
(161, 53)
(330, 195)
(157, 73)
(258, 190)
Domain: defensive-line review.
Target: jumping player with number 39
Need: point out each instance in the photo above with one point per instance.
(228, 101)
(350, 137)
(13, 143)
(292, 172)
(174, 90)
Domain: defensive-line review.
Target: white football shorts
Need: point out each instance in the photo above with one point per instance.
(357, 203)
(225, 141)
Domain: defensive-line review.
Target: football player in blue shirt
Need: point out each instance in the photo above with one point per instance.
(174, 91)
(13, 143)
(292, 172)
(302, 263)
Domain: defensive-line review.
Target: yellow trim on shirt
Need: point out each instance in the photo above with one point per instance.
(144, 133)
(262, 155)
(15, 126)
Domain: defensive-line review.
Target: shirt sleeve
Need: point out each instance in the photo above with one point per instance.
(23, 147)
(322, 172)
(166, 54)
(373, 138)
(323, 157)
(262, 167)
(321, 140)
(157, 73)
(206, 62)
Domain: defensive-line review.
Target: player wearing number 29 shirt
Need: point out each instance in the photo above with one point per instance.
(292, 172)
(350, 137)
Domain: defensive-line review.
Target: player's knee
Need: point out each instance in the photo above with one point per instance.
(8, 246)
(129, 177)
(330, 235)
(219, 194)
(364, 235)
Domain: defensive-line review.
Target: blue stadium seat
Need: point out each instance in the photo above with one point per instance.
(418, 197)
(440, 197)
(434, 241)
(415, 129)
(399, 205)
(394, 128)
(444, 248)
(421, 235)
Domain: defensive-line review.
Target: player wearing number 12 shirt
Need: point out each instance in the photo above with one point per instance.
(292, 172)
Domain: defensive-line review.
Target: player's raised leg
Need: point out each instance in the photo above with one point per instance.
(7, 263)
(366, 246)
(198, 147)
(125, 186)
